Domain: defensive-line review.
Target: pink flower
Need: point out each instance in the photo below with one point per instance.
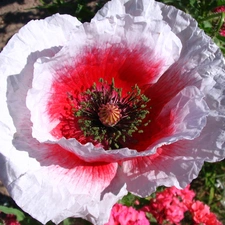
(128, 102)
(170, 205)
(9, 219)
(200, 211)
(222, 31)
(123, 215)
(219, 9)
(202, 215)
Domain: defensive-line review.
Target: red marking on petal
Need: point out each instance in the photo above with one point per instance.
(142, 164)
(166, 88)
(84, 176)
(157, 129)
(127, 67)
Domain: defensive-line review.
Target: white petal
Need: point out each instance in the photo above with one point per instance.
(174, 165)
(33, 40)
(22, 173)
(203, 60)
(199, 54)
(147, 9)
(50, 174)
(203, 66)
(36, 36)
(155, 34)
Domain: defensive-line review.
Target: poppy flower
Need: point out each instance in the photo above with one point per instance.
(128, 102)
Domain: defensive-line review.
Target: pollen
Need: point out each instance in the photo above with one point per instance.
(109, 114)
(110, 117)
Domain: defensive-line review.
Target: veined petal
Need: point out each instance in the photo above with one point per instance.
(144, 9)
(51, 83)
(155, 35)
(55, 174)
(23, 49)
(25, 41)
(183, 117)
(203, 63)
(179, 163)
(173, 165)
(83, 62)
(14, 58)
(19, 177)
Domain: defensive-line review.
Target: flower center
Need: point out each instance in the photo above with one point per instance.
(109, 118)
(109, 114)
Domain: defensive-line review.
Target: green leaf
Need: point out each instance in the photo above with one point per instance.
(211, 195)
(192, 2)
(30, 221)
(19, 215)
(128, 200)
(67, 222)
(221, 2)
(207, 24)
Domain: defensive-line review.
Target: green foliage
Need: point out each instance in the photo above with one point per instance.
(20, 216)
(75, 221)
(128, 200)
(84, 10)
(210, 187)
(137, 202)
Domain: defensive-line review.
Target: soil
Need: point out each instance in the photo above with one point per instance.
(14, 14)
(3, 189)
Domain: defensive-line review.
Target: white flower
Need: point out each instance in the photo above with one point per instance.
(128, 102)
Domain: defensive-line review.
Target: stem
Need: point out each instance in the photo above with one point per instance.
(210, 17)
(221, 22)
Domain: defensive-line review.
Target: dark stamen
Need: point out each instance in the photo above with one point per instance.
(109, 118)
